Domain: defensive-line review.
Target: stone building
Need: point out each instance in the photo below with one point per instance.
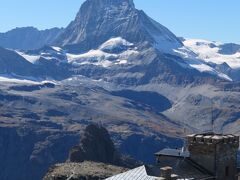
(206, 157)
(213, 155)
(216, 153)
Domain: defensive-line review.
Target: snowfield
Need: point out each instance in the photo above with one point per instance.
(58, 49)
(190, 56)
(196, 54)
(115, 51)
(115, 43)
(31, 58)
(209, 51)
(23, 80)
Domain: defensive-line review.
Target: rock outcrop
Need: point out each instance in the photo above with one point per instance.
(96, 145)
(94, 158)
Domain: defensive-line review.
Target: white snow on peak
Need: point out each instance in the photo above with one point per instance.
(104, 58)
(31, 58)
(115, 42)
(196, 53)
(209, 52)
(165, 40)
(115, 51)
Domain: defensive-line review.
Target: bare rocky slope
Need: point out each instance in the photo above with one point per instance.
(47, 122)
(83, 171)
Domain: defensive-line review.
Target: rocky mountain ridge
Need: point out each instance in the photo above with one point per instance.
(28, 38)
(99, 20)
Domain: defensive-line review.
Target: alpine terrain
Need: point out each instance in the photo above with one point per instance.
(115, 66)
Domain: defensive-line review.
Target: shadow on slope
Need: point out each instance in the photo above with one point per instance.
(145, 99)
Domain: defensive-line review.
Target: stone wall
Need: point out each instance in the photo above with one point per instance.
(216, 153)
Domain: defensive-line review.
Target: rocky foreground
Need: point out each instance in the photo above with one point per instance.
(82, 171)
(94, 158)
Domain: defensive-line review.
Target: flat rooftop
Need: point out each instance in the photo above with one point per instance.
(173, 153)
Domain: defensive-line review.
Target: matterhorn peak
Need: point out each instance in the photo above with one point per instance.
(101, 3)
(100, 20)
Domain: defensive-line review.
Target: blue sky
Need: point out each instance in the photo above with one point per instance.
(207, 19)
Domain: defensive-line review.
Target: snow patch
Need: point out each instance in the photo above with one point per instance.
(58, 49)
(8, 79)
(31, 58)
(23, 80)
(121, 62)
(115, 42)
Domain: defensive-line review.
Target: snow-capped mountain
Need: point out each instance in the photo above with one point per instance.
(12, 63)
(107, 35)
(215, 52)
(112, 64)
(113, 40)
(99, 20)
(223, 57)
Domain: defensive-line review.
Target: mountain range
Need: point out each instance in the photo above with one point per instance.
(28, 38)
(116, 66)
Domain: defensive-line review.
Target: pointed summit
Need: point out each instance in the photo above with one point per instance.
(99, 20)
(101, 3)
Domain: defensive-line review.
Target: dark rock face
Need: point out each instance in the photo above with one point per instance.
(145, 100)
(229, 48)
(14, 65)
(94, 158)
(96, 145)
(11, 62)
(28, 38)
(31, 88)
(99, 20)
